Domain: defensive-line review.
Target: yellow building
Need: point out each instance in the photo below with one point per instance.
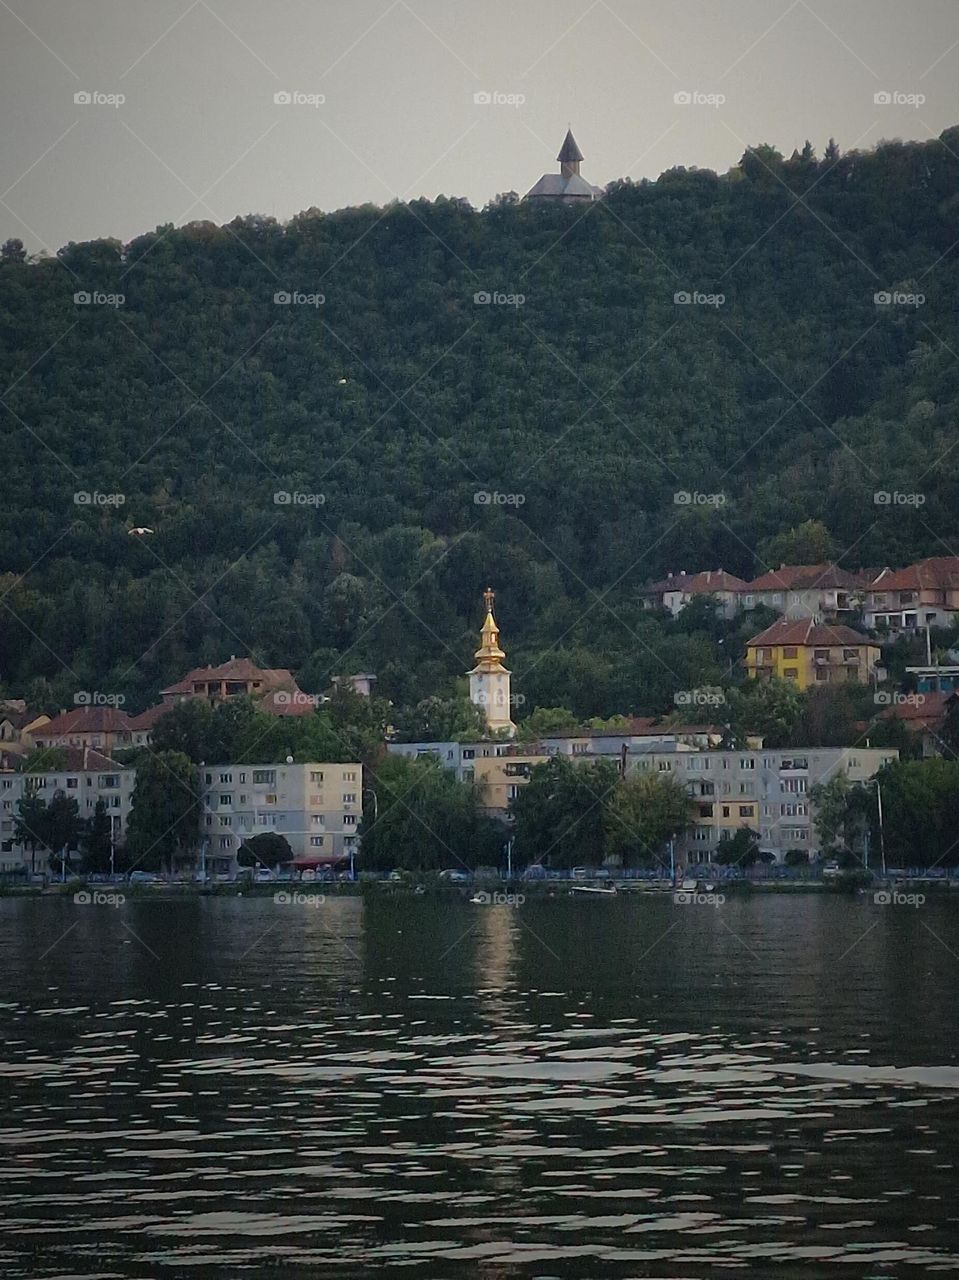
(498, 780)
(810, 653)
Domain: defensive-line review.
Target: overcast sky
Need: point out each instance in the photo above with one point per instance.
(199, 135)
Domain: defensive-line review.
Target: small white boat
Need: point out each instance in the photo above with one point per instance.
(608, 892)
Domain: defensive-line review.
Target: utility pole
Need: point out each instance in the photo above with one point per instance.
(882, 838)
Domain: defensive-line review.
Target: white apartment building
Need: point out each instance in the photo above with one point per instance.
(316, 806)
(87, 778)
(766, 790)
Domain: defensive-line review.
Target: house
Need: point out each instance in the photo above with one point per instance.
(103, 728)
(568, 186)
(230, 679)
(318, 807)
(19, 725)
(142, 725)
(923, 714)
(81, 773)
(765, 790)
(820, 591)
(923, 594)
(677, 590)
(362, 683)
(499, 779)
(810, 653)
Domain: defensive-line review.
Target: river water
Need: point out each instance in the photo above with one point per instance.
(591, 1088)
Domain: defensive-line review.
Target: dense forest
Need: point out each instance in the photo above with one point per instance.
(390, 403)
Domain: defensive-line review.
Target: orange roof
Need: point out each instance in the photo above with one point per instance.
(238, 669)
(87, 720)
(923, 711)
(77, 758)
(792, 577)
(938, 572)
(147, 719)
(702, 583)
(806, 631)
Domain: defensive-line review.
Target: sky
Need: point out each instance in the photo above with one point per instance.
(418, 98)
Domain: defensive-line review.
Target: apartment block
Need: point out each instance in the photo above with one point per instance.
(766, 790)
(316, 806)
(87, 776)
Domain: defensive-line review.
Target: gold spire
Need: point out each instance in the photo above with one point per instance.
(489, 656)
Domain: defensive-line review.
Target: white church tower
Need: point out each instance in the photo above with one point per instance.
(489, 679)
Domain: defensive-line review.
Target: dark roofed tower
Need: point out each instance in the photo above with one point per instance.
(570, 157)
(568, 186)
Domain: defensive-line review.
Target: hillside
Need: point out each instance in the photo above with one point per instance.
(399, 398)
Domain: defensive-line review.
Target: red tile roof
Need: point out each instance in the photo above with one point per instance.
(86, 720)
(923, 711)
(75, 759)
(238, 669)
(806, 577)
(147, 719)
(703, 583)
(806, 631)
(938, 573)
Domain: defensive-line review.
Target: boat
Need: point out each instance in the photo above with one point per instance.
(609, 891)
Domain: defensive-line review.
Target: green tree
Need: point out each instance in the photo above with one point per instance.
(643, 813)
(423, 819)
(807, 543)
(268, 849)
(61, 828)
(29, 825)
(437, 719)
(738, 850)
(542, 722)
(164, 822)
(560, 815)
(97, 840)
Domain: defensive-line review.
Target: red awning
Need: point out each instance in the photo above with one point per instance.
(306, 861)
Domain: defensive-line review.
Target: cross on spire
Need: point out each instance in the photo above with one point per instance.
(489, 595)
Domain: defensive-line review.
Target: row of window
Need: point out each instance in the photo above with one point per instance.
(267, 777)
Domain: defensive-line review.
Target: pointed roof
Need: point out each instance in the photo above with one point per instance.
(570, 152)
(806, 631)
(489, 656)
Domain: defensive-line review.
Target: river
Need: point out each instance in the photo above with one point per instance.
(559, 1088)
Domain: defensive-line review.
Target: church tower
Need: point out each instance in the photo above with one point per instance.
(489, 679)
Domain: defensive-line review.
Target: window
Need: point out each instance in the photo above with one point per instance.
(316, 841)
(243, 777)
(266, 777)
(72, 784)
(468, 754)
(349, 819)
(269, 799)
(725, 810)
(209, 778)
(790, 673)
(747, 762)
(349, 797)
(209, 821)
(226, 799)
(226, 821)
(746, 788)
(225, 842)
(316, 777)
(705, 810)
(664, 766)
(107, 781)
(317, 819)
(316, 800)
(746, 810)
(226, 777)
(850, 655)
(790, 651)
(350, 776)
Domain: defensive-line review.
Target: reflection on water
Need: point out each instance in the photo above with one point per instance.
(565, 1089)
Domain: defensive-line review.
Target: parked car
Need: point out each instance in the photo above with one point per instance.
(831, 869)
(455, 876)
(535, 871)
(263, 875)
(144, 877)
(580, 873)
